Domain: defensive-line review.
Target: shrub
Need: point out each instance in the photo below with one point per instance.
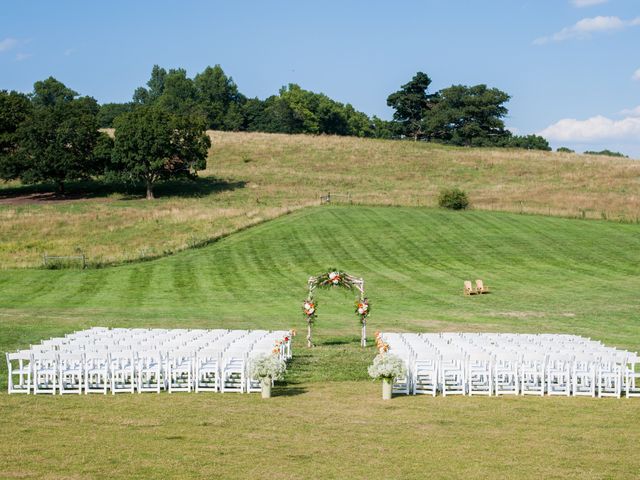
(565, 150)
(453, 198)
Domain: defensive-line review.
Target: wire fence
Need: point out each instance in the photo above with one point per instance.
(524, 207)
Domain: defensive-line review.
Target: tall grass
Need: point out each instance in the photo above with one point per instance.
(252, 177)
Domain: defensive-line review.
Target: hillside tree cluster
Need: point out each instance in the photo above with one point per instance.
(54, 135)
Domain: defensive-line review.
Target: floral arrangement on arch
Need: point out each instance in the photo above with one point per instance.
(309, 309)
(363, 308)
(334, 278)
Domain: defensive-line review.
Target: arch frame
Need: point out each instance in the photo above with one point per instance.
(331, 279)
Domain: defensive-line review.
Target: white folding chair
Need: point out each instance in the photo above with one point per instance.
(96, 372)
(479, 374)
(233, 372)
(70, 372)
(122, 372)
(45, 372)
(452, 374)
(609, 376)
(532, 374)
(632, 376)
(207, 377)
(180, 371)
(506, 374)
(584, 373)
(22, 370)
(425, 375)
(559, 374)
(149, 371)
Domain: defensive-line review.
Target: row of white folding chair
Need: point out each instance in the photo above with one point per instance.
(124, 371)
(481, 373)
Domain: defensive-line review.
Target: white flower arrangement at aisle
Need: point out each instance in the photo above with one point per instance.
(387, 366)
(267, 366)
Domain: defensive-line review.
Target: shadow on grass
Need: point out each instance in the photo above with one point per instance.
(88, 189)
(288, 389)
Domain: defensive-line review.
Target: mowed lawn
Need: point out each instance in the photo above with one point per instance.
(327, 421)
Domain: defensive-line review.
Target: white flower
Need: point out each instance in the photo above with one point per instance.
(361, 310)
(387, 365)
(267, 366)
(333, 275)
(307, 306)
(311, 310)
(336, 281)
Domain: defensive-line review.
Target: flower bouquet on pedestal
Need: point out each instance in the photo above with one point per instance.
(388, 367)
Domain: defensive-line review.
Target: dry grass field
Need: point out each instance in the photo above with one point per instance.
(252, 177)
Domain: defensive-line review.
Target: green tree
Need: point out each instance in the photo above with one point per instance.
(530, 142)
(15, 108)
(565, 150)
(51, 92)
(219, 99)
(179, 95)
(412, 105)
(56, 143)
(109, 111)
(102, 153)
(606, 153)
(147, 96)
(152, 144)
(469, 116)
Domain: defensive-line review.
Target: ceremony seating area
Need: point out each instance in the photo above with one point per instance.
(119, 360)
(511, 364)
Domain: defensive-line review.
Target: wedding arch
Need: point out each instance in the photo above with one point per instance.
(335, 278)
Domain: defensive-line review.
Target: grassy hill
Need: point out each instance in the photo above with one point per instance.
(547, 274)
(252, 177)
(553, 274)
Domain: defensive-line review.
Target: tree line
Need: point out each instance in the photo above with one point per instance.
(53, 134)
(458, 115)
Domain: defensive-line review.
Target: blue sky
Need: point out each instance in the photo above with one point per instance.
(571, 66)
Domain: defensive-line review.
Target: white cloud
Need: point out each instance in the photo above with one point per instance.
(632, 112)
(587, 3)
(594, 129)
(588, 26)
(7, 44)
(636, 75)
(23, 56)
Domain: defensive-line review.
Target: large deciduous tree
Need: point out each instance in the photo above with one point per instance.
(219, 99)
(152, 144)
(412, 104)
(469, 116)
(56, 142)
(15, 108)
(147, 96)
